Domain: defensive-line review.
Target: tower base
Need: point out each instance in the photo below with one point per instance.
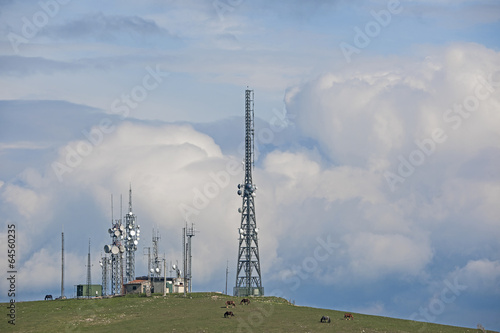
(244, 292)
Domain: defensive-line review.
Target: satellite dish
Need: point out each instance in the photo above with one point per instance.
(138, 238)
(110, 231)
(122, 248)
(132, 233)
(117, 233)
(152, 270)
(122, 227)
(256, 229)
(173, 267)
(157, 270)
(239, 210)
(107, 249)
(239, 192)
(115, 249)
(239, 185)
(136, 242)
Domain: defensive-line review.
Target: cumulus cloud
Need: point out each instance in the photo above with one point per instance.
(481, 276)
(331, 189)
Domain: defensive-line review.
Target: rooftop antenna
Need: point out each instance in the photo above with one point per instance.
(248, 275)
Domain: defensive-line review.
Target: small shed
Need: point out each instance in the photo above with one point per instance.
(84, 290)
(136, 287)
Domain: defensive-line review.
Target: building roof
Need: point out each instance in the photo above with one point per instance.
(138, 282)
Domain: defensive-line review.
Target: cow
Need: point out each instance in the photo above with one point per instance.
(348, 316)
(228, 314)
(245, 301)
(228, 303)
(325, 319)
(48, 297)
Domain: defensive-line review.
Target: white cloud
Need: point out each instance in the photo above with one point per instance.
(480, 276)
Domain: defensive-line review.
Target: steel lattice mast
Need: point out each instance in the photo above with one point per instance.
(248, 274)
(131, 236)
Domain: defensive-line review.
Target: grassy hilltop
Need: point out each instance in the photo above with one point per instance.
(199, 312)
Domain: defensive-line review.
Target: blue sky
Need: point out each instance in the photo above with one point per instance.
(388, 152)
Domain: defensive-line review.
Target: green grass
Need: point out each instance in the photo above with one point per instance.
(199, 312)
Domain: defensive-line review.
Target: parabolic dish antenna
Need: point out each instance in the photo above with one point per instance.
(117, 233)
(115, 249)
(132, 233)
(107, 248)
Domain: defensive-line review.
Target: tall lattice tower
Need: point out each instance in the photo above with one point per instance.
(116, 249)
(156, 260)
(131, 240)
(248, 275)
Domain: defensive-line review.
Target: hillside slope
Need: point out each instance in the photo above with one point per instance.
(199, 312)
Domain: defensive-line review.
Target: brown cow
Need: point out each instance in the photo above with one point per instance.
(348, 316)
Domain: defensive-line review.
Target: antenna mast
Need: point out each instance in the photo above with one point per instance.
(248, 275)
(62, 264)
(189, 233)
(131, 239)
(89, 275)
(116, 248)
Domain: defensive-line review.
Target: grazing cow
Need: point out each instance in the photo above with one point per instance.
(245, 301)
(325, 319)
(228, 303)
(348, 316)
(48, 297)
(228, 314)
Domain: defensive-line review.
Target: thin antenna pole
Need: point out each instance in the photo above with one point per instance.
(89, 275)
(227, 272)
(62, 263)
(184, 256)
(112, 220)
